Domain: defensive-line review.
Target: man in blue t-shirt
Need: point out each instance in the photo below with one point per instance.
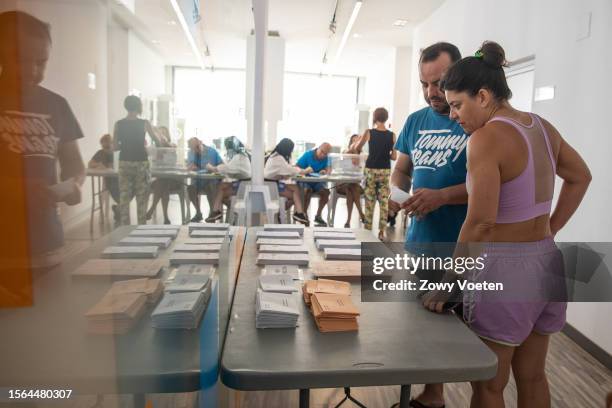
(318, 159)
(432, 161)
(198, 157)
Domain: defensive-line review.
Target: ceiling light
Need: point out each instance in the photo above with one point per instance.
(171, 22)
(347, 30)
(357, 35)
(400, 23)
(156, 42)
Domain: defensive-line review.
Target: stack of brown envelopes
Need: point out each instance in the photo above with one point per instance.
(311, 287)
(152, 288)
(116, 313)
(334, 312)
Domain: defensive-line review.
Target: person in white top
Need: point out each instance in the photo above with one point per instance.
(238, 168)
(278, 167)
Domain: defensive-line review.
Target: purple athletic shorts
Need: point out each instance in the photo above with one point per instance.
(533, 297)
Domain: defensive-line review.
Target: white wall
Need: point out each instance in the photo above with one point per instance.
(118, 66)
(578, 69)
(403, 81)
(380, 81)
(146, 68)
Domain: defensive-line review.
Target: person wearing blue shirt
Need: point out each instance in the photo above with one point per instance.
(432, 161)
(198, 157)
(319, 160)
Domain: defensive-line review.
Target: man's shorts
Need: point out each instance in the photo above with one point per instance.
(203, 186)
(314, 187)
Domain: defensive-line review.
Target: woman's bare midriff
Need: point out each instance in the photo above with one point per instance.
(535, 229)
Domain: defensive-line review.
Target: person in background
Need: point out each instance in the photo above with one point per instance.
(513, 158)
(103, 159)
(163, 187)
(134, 171)
(38, 131)
(318, 160)
(278, 167)
(437, 207)
(199, 156)
(378, 168)
(238, 168)
(352, 191)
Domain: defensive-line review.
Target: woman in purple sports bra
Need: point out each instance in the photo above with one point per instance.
(513, 158)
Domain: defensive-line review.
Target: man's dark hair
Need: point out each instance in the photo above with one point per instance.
(13, 23)
(432, 52)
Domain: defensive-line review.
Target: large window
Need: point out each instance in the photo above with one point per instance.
(211, 103)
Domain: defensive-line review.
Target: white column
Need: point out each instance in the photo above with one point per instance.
(260, 14)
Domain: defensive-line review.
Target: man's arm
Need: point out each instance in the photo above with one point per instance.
(402, 173)
(71, 166)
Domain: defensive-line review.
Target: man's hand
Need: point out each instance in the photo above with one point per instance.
(323, 172)
(211, 168)
(424, 201)
(394, 206)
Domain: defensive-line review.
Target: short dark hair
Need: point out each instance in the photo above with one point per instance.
(485, 70)
(380, 115)
(432, 52)
(13, 24)
(132, 103)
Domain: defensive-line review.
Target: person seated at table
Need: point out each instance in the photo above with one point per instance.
(237, 168)
(352, 191)
(318, 160)
(163, 187)
(278, 167)
(198, 157)
(103, 159)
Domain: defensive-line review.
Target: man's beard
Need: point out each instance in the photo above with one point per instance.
(442, 109)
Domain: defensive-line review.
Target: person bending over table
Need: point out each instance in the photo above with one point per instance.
(318, 160)
(238, 168)
(199, 156)
(352, 191)
(103, 159)
(163, 187)
(278, 167)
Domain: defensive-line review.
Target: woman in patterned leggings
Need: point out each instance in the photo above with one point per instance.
(378, 168)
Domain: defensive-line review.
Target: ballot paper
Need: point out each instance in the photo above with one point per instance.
(398, 195)
(158, 227)
(275, 310)
(197, 248)
(207, 226)
(151, 288)
(310, 287)
(162, 242)
(279, 234)
(180, 258)
(62, 190)
(292, 270)
(188, 282)
(299, 228)
(201, 241)
(347, 269)
(193, 269)
(350, 236)
(337, 243)
(274, 241)
(332, 229)
(130, 252)
(342, 254)
(283, 259)
(136, 268)
(168, 232)
(283, 249)
(281, 283)
(205, 233)
(116, 313)
(334, 312)
(180, 310)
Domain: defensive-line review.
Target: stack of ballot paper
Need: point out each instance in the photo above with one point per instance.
(189, 279)
(278, 283)
(158, 227)
(130, 252)
(342, 254)
(151, 288)
(291, 270)
(165, 232)
(275, 310)
(278, 241)
(208, 233)
(180, 310)
(162, 242)
(207, 227)
(299, 228)
(181, 258)
(283, 249)
(202, 241)
(311, 287)
(332, 229)
(116, 313)
(335, 243)
(334, 312)
(197, 248)
(283, 259)
(334, 235)
(120, 268)
(278, 234)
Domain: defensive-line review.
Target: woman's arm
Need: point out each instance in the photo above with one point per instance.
(393, 151)
(358, 145)
(116, 143)
(153, 133)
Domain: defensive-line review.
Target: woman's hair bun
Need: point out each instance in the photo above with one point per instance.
(493, 54)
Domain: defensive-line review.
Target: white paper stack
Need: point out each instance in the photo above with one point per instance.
(277, 283)
(335, 243)
(180, 310)
(334, 235)
(188, 282)
(129, 252)
(299, 228)
(283, 259)
(332, 229)
(158, 227)
(205, 233)
(275, 310)
(162, 242)
(181, 258)
(278, 234)
(168, 232)
(291, 270)
(207, 227)
(283, 249)
(274, 241)
(134, 268)
(197, 248)
(342, 254)
(200, 241)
